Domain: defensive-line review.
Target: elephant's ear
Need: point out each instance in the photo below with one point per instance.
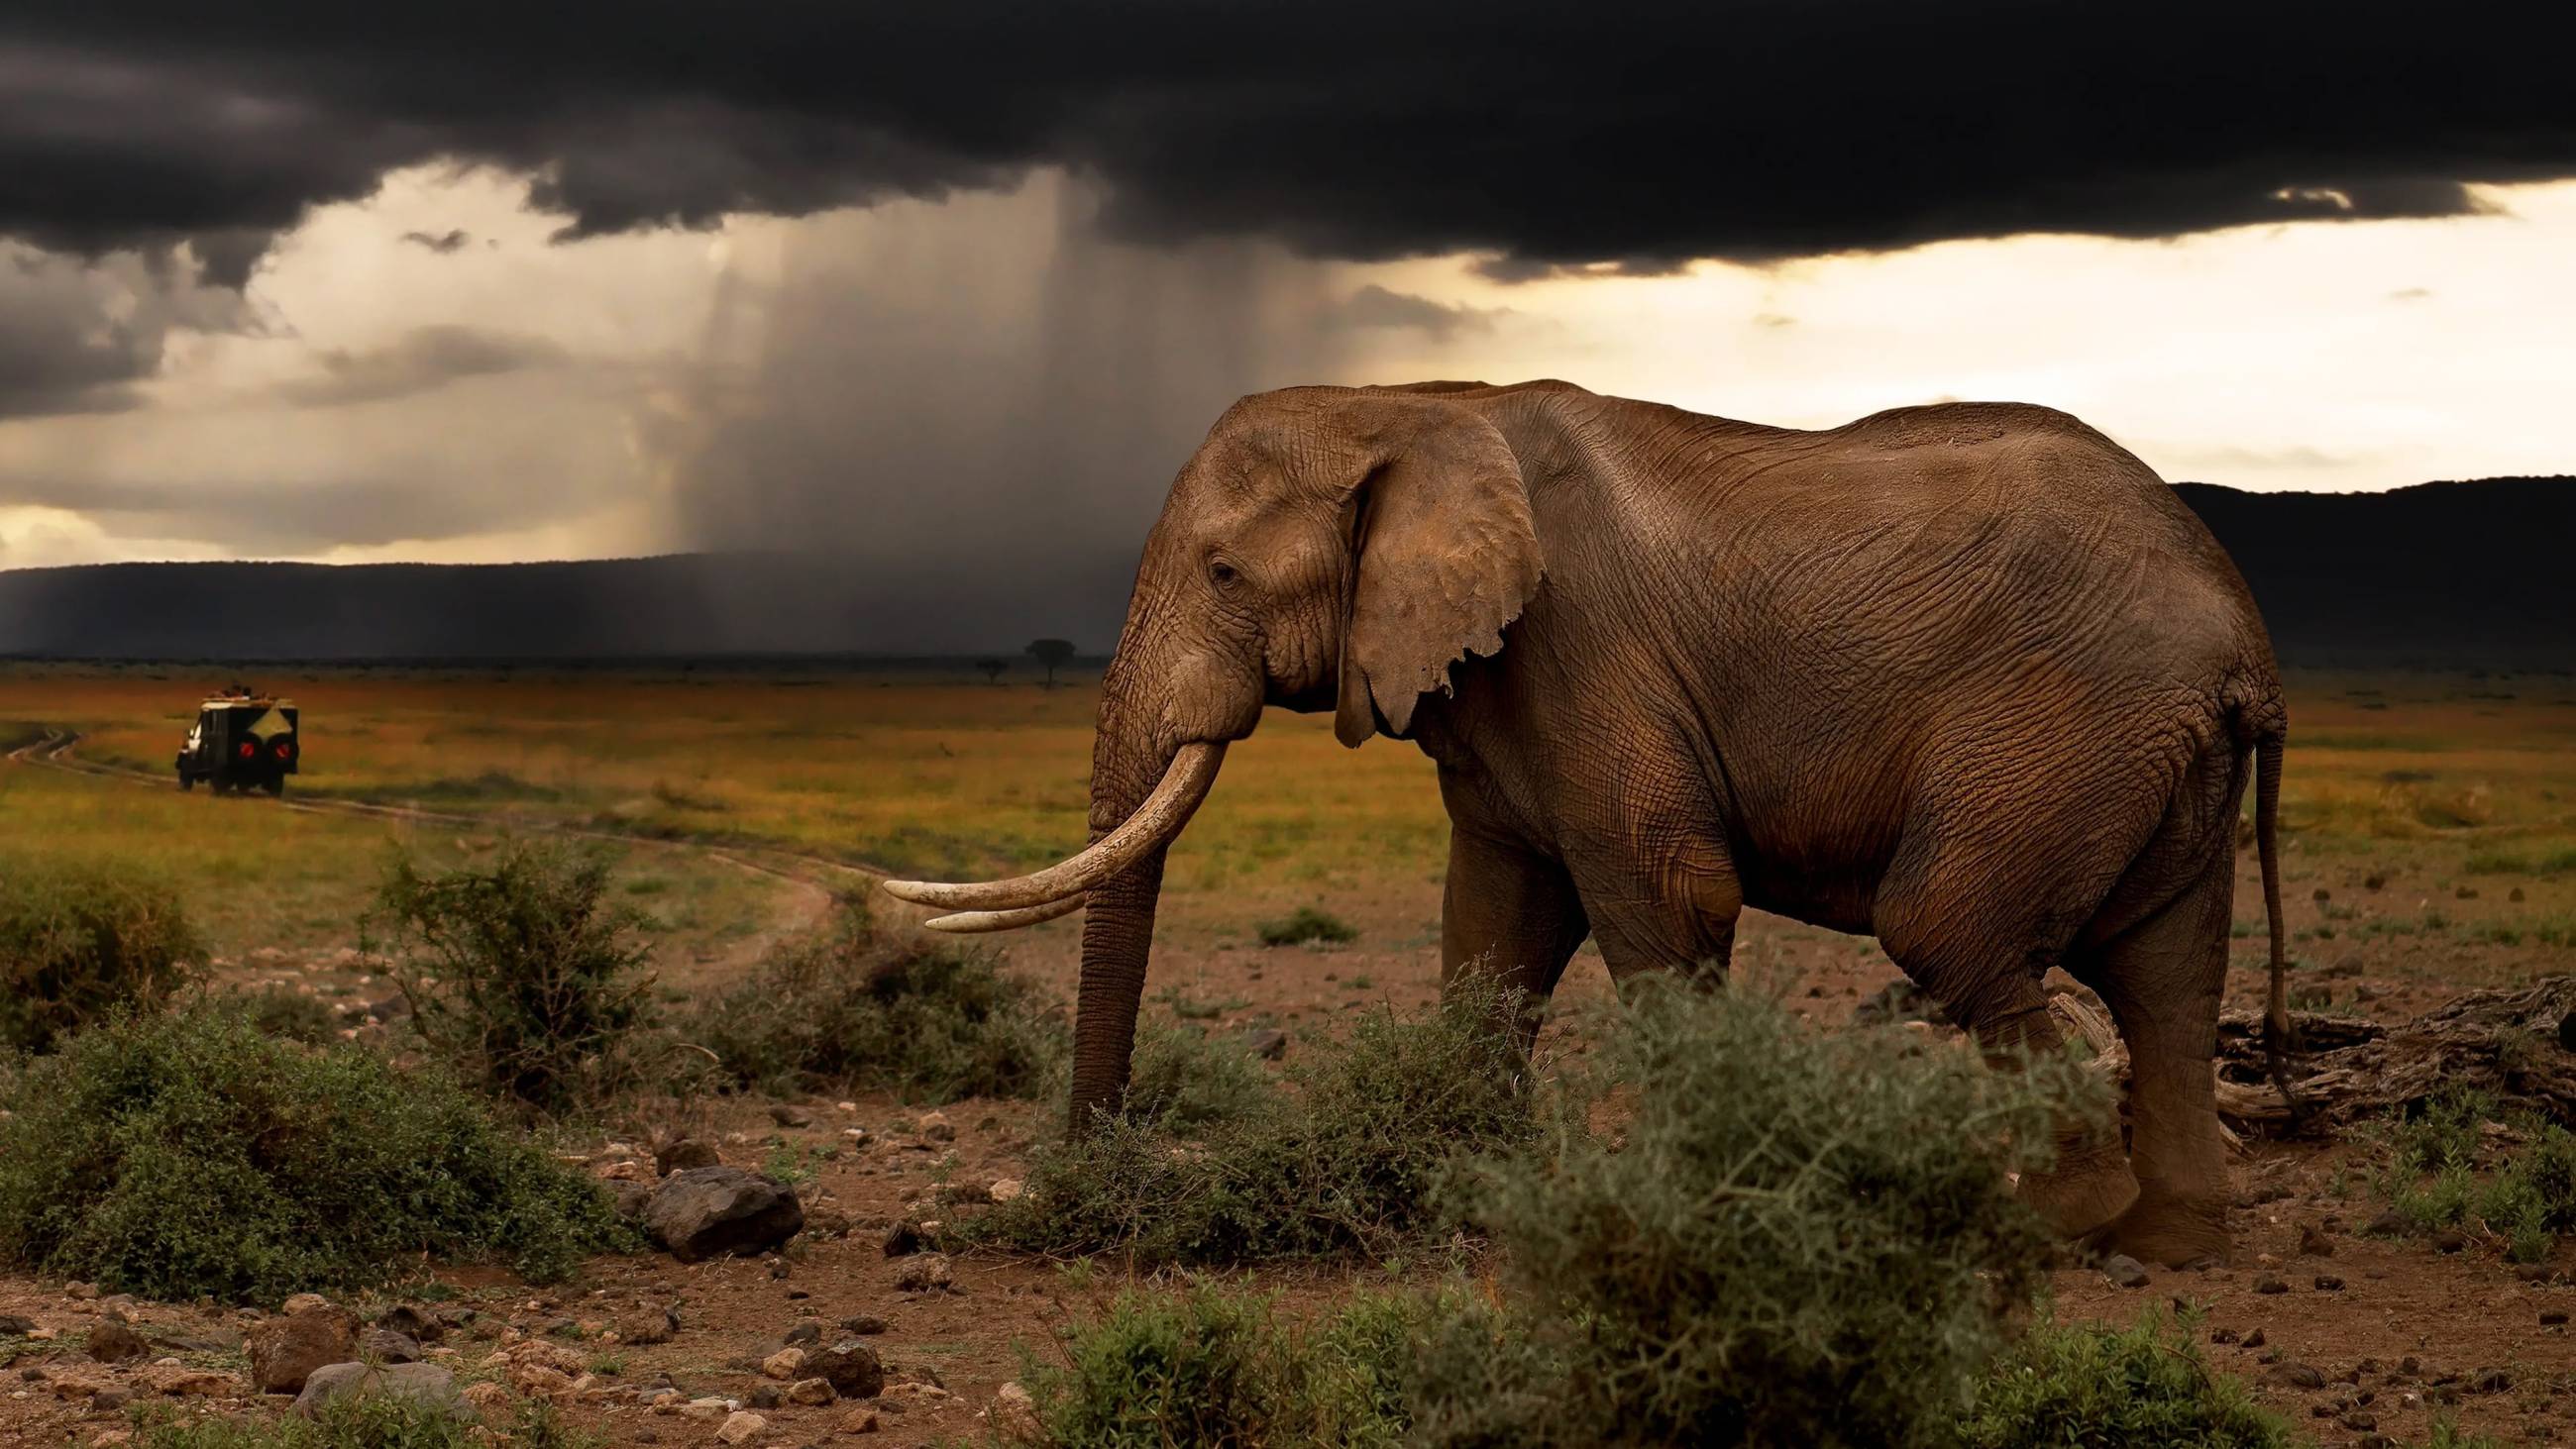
(1445, 556)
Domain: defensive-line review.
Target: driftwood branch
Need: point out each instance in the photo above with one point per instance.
(2517, 1046)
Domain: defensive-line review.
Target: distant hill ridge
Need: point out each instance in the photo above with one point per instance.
(2442, 574)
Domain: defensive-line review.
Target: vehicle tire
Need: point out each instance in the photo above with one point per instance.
(187, 782)
(275, 785)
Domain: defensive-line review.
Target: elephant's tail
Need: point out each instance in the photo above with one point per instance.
(2277, 1042)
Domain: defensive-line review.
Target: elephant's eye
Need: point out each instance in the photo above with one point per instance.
(1223, 575)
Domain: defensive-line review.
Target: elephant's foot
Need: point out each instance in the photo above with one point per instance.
(2085, 1192)
(2171, 1231)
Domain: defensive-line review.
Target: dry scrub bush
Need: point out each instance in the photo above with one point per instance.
(1793, 1236)
(80, 940)
(523, 975)
(194, 1153)
(1347, 1158)
(1212, 1366)
(1781, 1237)
(847, 1011)
(363, 1421)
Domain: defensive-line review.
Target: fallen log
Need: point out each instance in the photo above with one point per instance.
(2516, 1045)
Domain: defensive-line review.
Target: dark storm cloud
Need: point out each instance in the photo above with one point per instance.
(1629, 137)
(78, 339)
(424, 358)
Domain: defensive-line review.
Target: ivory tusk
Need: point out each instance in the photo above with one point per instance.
(1184, 784)
(969, 923)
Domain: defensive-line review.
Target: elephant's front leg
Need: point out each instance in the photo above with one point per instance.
(1510, 915)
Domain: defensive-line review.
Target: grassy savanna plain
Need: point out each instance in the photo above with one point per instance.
(2430, 849)
(2431, 783)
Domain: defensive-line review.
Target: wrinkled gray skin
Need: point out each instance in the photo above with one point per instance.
(1967, 678)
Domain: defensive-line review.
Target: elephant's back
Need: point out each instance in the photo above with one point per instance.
(1962, 533)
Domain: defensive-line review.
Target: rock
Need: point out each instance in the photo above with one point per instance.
(2389, 1224)
(387, 1346)
(2267, 1284)
(180, 1381)
(1269, 1043)
(14, 1325)
(905, 1237)
(787, 1116)
(303, 1303)
(540, 1381)
(116, 1342)
(810, 1391)
(936, 1127)
(2514, 895)
(741, 1427)
(1014, 1414)
(630, 1199)
(2329, 1283)
(108, 1401)
(408, 1320)
(2465, 893)
(850, 1367)
(1005, 1189)
(2553, 1318)
(685, 1154)
(860, 1421)
(704, 1212)
(648, 1327)
(422, 1383)
(766, 1396)
(2491, 1381)
(2123, 1271)
(2313, 1243)
(489, 1401)
(863, 1324)
(2254, 1339)
(804, 1334)
(2450, 1240)
(2359, 1421)
(285, 1351)
(2321, 895)
(2222, 1335)
(924, 1273)
(785, 1364)
(2299, 1376)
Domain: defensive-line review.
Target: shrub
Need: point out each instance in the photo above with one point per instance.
(291, 1014)
(2437, 1173)
(1799, 1238)
(194, 1154)
(932, 1022)
(522, 976)
(79, 940)
(369, 1421)
(1210, 1366)
(2089, 1386)
(1348, 1161)
(1304, 924)
(1185, 1079)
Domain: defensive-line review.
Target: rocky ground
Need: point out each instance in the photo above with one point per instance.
(835, 1316)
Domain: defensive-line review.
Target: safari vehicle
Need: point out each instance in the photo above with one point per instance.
(241, 742)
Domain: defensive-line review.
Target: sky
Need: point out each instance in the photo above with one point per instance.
(953, 291)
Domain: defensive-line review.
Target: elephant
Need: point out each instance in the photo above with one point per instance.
(1968, 678)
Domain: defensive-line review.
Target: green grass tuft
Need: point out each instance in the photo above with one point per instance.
(1307, 924)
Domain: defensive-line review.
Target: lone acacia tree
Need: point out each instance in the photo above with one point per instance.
(1054, 654)
(992, 669)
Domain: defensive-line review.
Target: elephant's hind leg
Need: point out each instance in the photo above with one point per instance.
(2163, 979)
(1981, 951)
